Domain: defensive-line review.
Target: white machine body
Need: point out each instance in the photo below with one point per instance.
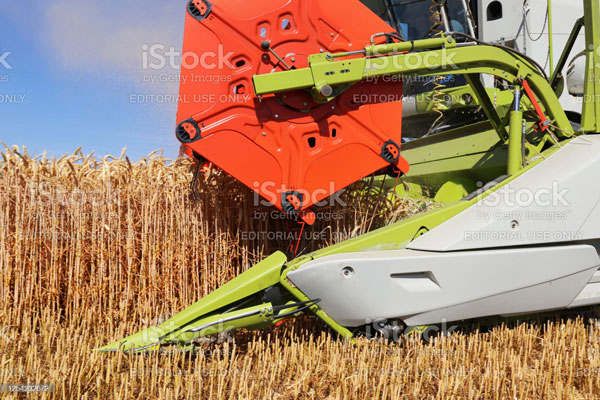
(525, 26)
(531, 246)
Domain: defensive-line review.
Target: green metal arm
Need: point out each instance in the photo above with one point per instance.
(328, 75)
(557, 74)
(241, 302)
(590, 114)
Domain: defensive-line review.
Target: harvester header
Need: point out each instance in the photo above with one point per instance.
(293, 148)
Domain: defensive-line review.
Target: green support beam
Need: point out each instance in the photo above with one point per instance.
(329, 73)
(590, 119)
(242, 303)
(557, 75)
(489, 109)
(550, 38)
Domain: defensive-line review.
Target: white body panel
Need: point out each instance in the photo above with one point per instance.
(531, 246)
(590, 293)
(425, 287)
(556, 201)
(511, 27)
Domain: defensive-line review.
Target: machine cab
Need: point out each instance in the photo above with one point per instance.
(521, 25)
(420, 19)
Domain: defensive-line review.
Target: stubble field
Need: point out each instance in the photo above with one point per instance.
(92, 250)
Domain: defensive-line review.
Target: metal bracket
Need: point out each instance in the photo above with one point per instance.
(199, 9)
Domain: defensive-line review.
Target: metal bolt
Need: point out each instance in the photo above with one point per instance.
(276, 115)
(514, 225)
(332, 34)
(293, 59)
(264, 133)
(348, 272)
(326, 91)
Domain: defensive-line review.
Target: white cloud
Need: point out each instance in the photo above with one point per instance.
(106, 37)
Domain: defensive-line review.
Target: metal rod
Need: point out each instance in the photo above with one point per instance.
(470, 22)
(279, 58)
(425, 44)
(349, 53)
(222, 321)
(566, 52)
(550, 40)
(445, 17)
(515, 139)
(517, 105)
(590, 114)
(393, 18)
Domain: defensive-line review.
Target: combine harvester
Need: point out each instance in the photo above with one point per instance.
(316, 96)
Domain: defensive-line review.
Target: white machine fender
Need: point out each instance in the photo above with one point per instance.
(426, 287)
(557, 201)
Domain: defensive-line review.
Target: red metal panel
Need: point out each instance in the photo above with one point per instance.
(290, 149)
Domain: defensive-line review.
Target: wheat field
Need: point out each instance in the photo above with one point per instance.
(92, 250)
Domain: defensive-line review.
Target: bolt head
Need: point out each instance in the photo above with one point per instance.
(265, 45)
(326, 91)
(347, 272)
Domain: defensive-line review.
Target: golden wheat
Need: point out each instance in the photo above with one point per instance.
(94, 249)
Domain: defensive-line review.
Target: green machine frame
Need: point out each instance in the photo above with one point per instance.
(510, 142)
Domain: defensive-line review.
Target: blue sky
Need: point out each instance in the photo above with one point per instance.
(75, 67)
